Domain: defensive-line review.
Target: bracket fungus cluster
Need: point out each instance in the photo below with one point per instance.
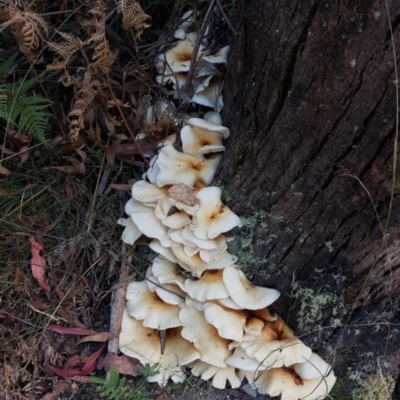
(196, 310)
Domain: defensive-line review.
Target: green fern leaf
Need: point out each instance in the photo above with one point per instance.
(6, 66)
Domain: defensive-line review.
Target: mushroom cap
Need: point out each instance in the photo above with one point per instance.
(199, 141)
(276, 346)
(178, 57)
(244, 293)
(230, 323)
(166, 252)
(171, 294)
(175, 167)
(220, 57)
(131, 232)
(177, 78)
(210, 286)
(213, 217)
(145, 305)
(254, 327)
(285, 382)
(153, 170)
(147, 193)
(221, 375)
(313, 367)
(213, 117)
(197, 266)
(167, 272)
(209, 125)
(240, 360)
(229, 303)
(211, 95)
(204, 244)
(144, 344)
(212, 348)
(147, 222)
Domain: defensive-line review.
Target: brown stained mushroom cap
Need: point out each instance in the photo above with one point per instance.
(178, 57)
(175, 167)
(285, 382)
(198, 141)
(213, 217)
(210, 286)
(145, 305)
(276, 346)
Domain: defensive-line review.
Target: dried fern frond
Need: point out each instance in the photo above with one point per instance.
(66, 48)
(28, 28)
(133, 16)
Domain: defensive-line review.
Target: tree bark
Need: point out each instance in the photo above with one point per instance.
(310, 98)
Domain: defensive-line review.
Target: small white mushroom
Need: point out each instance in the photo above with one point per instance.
(166, 272)
(240, 360)
(313, 367)
(213, 217)
(213, 118)
(147, 193)
(210, 286)
(285, 382)
(244, 293)
(147, 222)
(220, 57)
(210, 96)
(166, 252)
(175, 167)
(131, 232)
(220, 375)
(276, 346)
(205, 338)
(145, 305)
(230, 323)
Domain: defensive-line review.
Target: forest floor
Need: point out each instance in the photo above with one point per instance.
(63, 189)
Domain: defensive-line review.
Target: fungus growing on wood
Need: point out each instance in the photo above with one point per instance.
(210, 286)
(145, 305)
(175, 167)
(285, 382)
(131, 232)
(213, 217)
(144, 344)
(244, 293)
(205, 338)
(220, 375)
(276, 346)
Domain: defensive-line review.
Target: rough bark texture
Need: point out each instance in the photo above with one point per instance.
(310, 100)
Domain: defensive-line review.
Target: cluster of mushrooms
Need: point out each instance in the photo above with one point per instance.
(196, 309)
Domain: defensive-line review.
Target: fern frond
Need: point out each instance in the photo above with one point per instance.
(133, 16)
(6, 67)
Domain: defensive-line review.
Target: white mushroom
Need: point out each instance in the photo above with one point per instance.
(285, 382)
(313, 367)
(145, 305)
(276, 346)
(220, 57)
(205, 338)
(210, 286)
(131, 232)
(147, 193)
(244, 293)
(220, 375)
(230, 323)
(175, 167)
(213, 217)
(166, 252)
(147, 222)
(166, 272)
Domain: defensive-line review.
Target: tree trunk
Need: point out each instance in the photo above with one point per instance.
(310, 99)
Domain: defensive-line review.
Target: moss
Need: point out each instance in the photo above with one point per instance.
(373, 387)
(311, 304)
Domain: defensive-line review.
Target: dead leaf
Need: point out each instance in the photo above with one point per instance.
(73, 361)
(4, 171)
(58, 388)
(147, 145)
(17, 276)
(98, 337)
(38, 264)
(184, 194)
(40, 303)
(77, 167)
(63, 330)
(124, 365)
(120, 186)
(89, 367)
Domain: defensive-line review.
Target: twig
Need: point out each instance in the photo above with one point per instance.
(118, 304)
(187, 87)
(226, 17)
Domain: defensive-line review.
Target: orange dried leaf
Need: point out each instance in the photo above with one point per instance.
(184, 194)
(38, 264)
(98, 337)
